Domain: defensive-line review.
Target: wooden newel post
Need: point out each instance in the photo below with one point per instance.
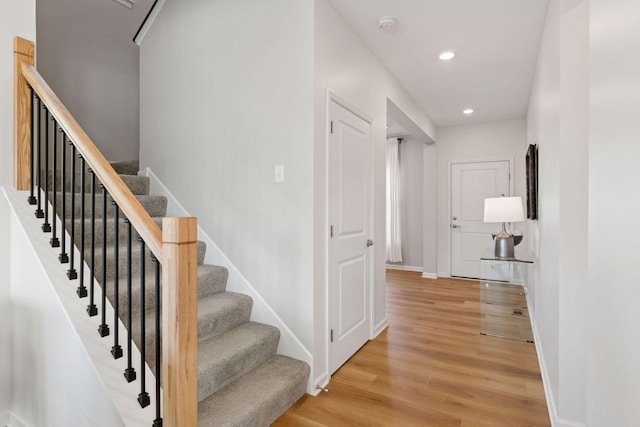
(23, 52)
(179, 322)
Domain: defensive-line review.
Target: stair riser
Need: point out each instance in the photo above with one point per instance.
(122, 232)
(211, 326)
(123, 235)
(209, 283)
(121, 168)
(212, 281)
(136, 267)
(156, 206)
(139, 185)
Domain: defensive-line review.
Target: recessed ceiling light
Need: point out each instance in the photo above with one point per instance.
(445, 56)
(467, 111)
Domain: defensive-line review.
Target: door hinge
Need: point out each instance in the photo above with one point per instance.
(331, 125)
(331, 231)
(332, 335)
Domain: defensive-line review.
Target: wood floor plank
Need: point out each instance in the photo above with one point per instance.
(431, 367)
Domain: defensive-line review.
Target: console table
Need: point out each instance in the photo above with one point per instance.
(504, 285)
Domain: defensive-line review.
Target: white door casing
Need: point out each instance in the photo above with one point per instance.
(350, 202)
(471, 183)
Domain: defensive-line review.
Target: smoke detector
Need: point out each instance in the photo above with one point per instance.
(387, 22)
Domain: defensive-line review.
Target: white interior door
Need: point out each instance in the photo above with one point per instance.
(350, 225)
(471, 183)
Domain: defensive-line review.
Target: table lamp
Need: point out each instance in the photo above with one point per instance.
(503, 209)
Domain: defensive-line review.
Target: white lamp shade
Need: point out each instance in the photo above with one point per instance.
(503, 209)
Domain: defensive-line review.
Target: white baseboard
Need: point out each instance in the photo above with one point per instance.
(379, 328)
(426, 275)
(444, 274)
(404, 267)
(556, 420)
(262, 312)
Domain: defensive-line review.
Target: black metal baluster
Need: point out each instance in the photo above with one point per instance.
(143, 397)
(46, 227)
(130, 372)
(116, 350)
(81, 290)
(158, 421)
(91, 308)
(54, 242)
(103, 329)
(32, 166)
(39, 212)
(63, 257)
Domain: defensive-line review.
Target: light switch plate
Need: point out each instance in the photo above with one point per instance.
(279, 173)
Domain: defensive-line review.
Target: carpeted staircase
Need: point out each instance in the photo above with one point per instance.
(241, 379)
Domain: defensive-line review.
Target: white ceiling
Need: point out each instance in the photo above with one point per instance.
(495, 41)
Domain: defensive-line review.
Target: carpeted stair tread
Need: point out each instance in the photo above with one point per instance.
(258, 398)
(122, 230)
(154, 205)
(216, 314)
(212, 279)
(136, 253)
(220, 312)
(137, 184)
(231, 354)
(128, 167)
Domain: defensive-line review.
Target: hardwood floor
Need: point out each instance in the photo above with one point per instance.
(431, 367)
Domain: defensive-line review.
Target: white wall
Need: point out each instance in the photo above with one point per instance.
(543, 128)
(430, 211)
(504, 140)
(18, 18)
(613, 292)
(226, 94)
(411, 201)
(86, 54)
(573, 177)
(346, 66)
(558, 122)
(53, 381)
(5, 313)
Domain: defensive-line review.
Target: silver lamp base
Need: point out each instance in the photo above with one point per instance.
(504, 244)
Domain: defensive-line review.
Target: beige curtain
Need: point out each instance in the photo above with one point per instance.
(394, 243)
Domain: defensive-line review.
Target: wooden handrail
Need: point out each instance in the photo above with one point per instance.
(127, 202)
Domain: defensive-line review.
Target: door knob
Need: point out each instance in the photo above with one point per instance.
(455, 226)
(369, 242)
